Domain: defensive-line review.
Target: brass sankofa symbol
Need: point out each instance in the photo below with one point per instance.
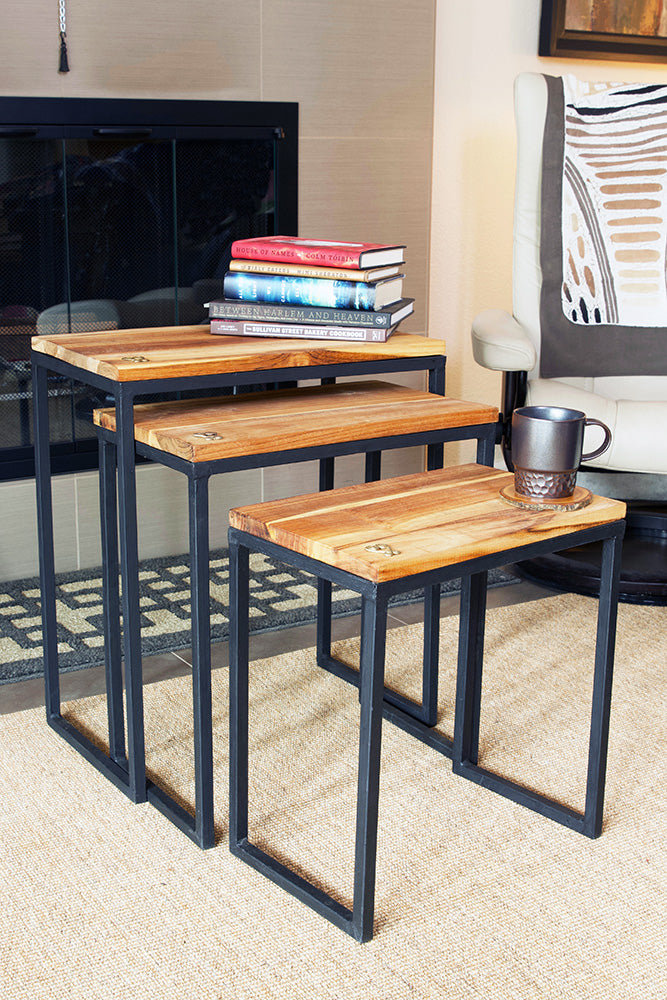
(383, 549)
(208, 435)
(135, 359)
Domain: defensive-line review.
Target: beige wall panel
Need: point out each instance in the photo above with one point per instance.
(162, 500)
(18, 537)
(161, 514)
(289, 480)
(199, 49)
(30, 49)
(162, 507)
(377, 191)
(86, 491)
(196, 49)
(358, 69)
(232, 489)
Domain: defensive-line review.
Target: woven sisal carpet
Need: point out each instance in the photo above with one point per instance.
(279, 598)
(477, 898)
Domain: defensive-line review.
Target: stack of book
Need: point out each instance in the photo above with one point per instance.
(287, 286)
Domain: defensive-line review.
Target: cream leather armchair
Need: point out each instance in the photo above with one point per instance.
(617, 374)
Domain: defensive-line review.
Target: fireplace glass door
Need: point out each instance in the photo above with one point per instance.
(115, 226)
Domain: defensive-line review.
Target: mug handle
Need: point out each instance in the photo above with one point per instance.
(605, 444)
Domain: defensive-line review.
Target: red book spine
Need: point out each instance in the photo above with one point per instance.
(293, 250)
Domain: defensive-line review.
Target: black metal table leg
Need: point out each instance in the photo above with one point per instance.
(238, 694)
(47, 571)
(372, 466)
(111, 601)
(486, 446)
(426, 712)
(200, 827)
(358, 921)
(468, 694)
(431, 655)
(324, 604)
(602, 682)
(417, 719)
(238, 753)
(373, 638)
(471, 655)
(115, 771)
(201, 660)
(372, 472)
(129, 560)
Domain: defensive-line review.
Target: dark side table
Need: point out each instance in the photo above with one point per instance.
(384, 538)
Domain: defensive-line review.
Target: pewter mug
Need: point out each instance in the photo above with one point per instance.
(547, 444)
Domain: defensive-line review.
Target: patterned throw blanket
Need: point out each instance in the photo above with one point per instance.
(614, 203)
(603, 300)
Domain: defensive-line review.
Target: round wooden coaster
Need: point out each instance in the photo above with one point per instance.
(580, 498)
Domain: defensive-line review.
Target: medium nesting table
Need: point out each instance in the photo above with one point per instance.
(125, 364)
(205, 437)
(385, 538)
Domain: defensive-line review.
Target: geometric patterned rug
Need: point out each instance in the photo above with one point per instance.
(280, 596)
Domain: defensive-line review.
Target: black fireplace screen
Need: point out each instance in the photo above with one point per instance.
(106, 225)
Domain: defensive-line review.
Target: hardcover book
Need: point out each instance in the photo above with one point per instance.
(297, 250)
(271, 312)
(315, 270)
(296, 290)
(309, 331)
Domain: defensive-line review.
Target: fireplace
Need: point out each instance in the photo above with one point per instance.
(121, 214)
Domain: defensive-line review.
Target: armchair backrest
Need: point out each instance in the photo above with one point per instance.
(531, 105)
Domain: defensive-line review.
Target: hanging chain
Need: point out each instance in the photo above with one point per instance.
(64, 65)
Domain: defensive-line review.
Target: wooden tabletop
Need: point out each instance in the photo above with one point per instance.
(397, 527)
(256, 423)
(173, 351)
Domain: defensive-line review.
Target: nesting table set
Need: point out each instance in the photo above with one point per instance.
(380, 538)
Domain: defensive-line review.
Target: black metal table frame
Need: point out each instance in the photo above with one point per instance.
(358, 921)
(125, 765)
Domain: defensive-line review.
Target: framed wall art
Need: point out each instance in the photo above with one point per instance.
(604, 29)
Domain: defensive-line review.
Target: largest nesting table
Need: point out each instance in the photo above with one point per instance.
(125, 364)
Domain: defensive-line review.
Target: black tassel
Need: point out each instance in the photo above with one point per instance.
(64, 65)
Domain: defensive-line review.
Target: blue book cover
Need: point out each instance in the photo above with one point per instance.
(323, 292)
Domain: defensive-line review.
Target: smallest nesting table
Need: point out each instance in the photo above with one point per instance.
(390, 537)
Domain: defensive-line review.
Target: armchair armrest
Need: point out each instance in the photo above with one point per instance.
(500, 343)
